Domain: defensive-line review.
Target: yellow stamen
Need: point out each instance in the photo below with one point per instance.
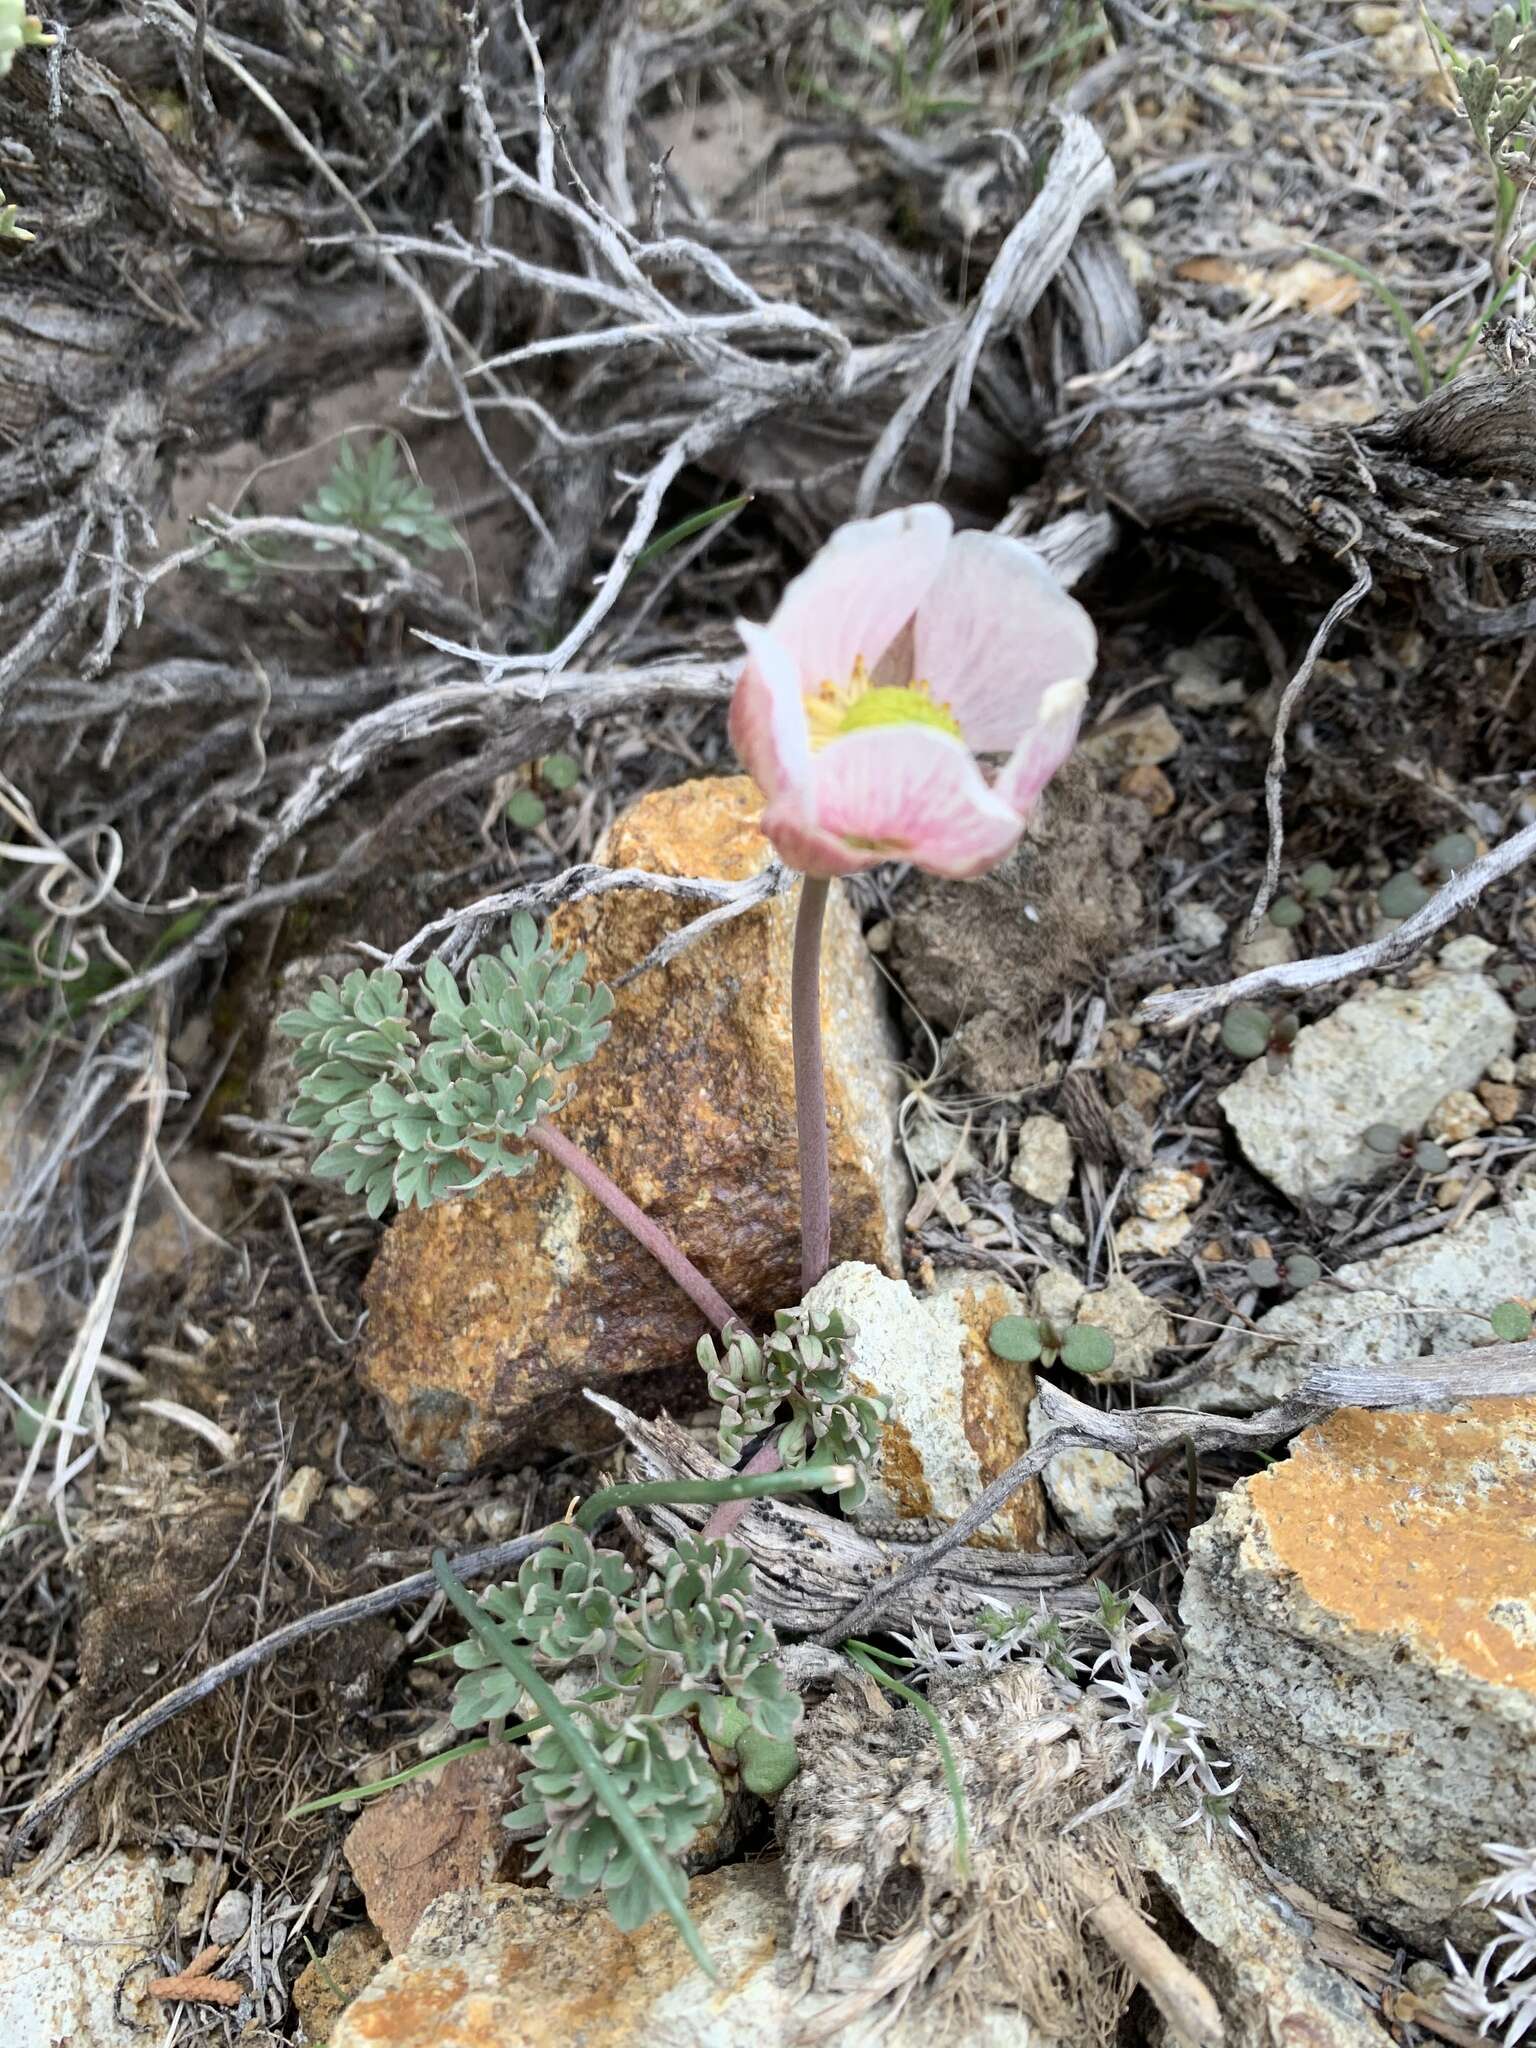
(838, 708)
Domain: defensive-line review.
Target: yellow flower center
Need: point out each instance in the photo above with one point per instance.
(839, 708)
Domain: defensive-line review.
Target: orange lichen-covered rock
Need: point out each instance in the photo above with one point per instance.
(489, 1314)
(1362, 1644)
(513, 1968)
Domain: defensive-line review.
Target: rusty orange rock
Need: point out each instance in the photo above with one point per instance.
(488, 1314)
(441, 1833)
(1362, 1643)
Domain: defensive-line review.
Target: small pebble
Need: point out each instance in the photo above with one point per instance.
(1502, 1069)
(1168, 1191)
(497, 1519)
(1271, 946)
(1457, 1116)
(1199, 925)
(1149, 786)
(1139, 212)
(1136, 1085)
(1044, 1164)
(1449, 1192)
(231, 1917)
(1141, 1235)
(351, 1503)
(300, 1494)
(1147, 737)
(1066, 1232)
(1525, 1069)
(1466, 955)
(1500, 1100)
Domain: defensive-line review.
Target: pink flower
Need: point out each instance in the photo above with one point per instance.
(905, 651)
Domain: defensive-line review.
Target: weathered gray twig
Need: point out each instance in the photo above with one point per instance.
(729, 899)
(1428, 1383)
(1274, 773)
(1181, 1006)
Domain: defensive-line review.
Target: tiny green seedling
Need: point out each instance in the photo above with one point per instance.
(525, 810)
(1518, 982)
(1021, 1340)
(1408, 1148)
(1249, 1033)
(1293, 1272)
(1313, 883)
(1511, 1322)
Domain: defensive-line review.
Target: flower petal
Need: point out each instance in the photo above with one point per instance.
(787, 826)
(859, 591)
(1043, 748)
(768, 728)
(910, 792)
(992, 635)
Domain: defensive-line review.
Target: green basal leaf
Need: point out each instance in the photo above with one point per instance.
(1086, 1348)
(1016, 1339)
(1511, 1322)
(1246, 1031)
(1402, 895)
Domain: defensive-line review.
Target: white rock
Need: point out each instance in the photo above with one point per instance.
(65, 1947)
(1043, 1162)
(1146, 1237)
(1384, 1057)
(1145, 737)
(959, 1416)
(299, 1494)
(351, 1503)
(1198, 926)
(932, 1143)
(1167, 1191)
(1457, 1116)
(1272, 945)
(1466, 954)
(1525, 1070)
(1066, 1232)
(515, 1966)
(1094, 1493)
(1139, 1327)
(1252, 1951)
(1360, 1639)
(1386, 1312)
(1057, 1294)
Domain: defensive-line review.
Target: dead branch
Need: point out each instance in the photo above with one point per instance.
(467, 926)
(1274, 772)
(805, 1562)
(1429, 1383)
(1295, 977)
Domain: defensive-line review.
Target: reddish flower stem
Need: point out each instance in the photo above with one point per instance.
(810, 1084)
(644, 1229)
(729, 1512)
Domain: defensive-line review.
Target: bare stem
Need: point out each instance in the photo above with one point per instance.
(810, 1084)
(730, 1512)
(644, 1229)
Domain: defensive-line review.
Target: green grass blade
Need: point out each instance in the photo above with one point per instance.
(1519, 271)
(685, 529)
(708, 1493)
(1393, 304)
(864, 1656)
(554, 1710)
(355, 1794)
